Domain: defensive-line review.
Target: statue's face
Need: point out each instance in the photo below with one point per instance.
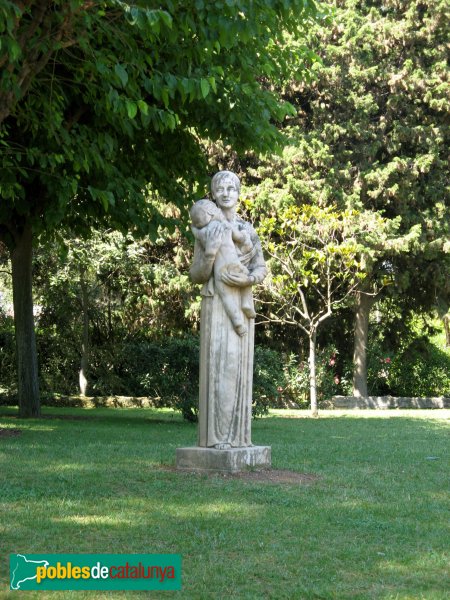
(226, 193)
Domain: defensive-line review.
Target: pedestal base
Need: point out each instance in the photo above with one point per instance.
(231, 460)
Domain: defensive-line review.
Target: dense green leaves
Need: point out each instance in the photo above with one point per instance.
(118, 95)
(318, 257)
(371, 133)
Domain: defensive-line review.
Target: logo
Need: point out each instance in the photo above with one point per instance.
(95, 571)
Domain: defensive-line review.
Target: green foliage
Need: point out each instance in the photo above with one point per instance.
(109, 125)
(379, 368)
(370, 135)
(100, 101)
(296, 390)
(134, 289)
(313, 262)
(300, 268)
(137, 290)
(318, 256)
(168, 372)
(104, 106)
(268, 379)
(405, 358)
(371, 132)
(420, 369)
(133, 285)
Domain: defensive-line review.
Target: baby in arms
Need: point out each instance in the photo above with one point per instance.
(236, 300)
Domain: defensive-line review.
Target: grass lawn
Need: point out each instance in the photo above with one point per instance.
(373, 525)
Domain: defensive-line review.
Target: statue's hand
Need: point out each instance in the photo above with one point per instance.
(214, 238)
(238, 279)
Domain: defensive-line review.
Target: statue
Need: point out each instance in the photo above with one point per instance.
(228, 261)
(236, 301)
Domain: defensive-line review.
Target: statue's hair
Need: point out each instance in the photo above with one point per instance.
(223, 175)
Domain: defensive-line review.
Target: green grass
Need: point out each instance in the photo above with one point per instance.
(374, 525)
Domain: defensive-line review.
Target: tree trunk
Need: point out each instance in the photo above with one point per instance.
(446, 320)
(85, 343)
(364, 303)
(27, 365)
(312, 373)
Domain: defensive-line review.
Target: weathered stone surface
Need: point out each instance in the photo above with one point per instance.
(384, 402)
(228, 261)
(231, 460)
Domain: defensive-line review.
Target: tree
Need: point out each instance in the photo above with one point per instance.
(104, 103)
(371, 134)
(377, 116)
(317, 262)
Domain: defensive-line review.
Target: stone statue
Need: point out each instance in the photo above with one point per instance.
(236, 301)
(228, 261)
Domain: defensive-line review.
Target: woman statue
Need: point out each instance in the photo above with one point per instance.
(228, 260)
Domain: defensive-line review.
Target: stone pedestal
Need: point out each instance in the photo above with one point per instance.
(231, 460)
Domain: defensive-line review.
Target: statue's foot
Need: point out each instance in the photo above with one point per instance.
(241, 330)
(222, 446)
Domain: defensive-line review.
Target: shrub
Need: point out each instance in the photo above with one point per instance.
(379, 364)
(269, 380)
(168, 372)
(420, 369)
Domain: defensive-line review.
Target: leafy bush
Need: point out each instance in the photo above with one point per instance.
(379, 365)
(269, 380)
(420, 369)
(296, 372)
(59, 362)
(414, 367)
(168, 372)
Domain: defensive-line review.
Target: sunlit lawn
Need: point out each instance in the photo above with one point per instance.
(374, 524)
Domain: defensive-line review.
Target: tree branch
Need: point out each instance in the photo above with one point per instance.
(303, 300)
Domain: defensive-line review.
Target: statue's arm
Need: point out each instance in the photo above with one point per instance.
(257, 267)
(205, 251)
(202, 266)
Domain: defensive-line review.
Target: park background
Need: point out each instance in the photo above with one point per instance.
(352, 210)
(113, 118)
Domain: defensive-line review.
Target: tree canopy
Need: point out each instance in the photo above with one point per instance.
(103, 100)
(371, 131)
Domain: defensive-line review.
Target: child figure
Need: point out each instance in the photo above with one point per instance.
(235, 300)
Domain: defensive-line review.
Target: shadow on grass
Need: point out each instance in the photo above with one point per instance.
(117, 416)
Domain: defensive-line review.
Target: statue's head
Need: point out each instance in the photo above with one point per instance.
(225, 189)
(204, 211)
